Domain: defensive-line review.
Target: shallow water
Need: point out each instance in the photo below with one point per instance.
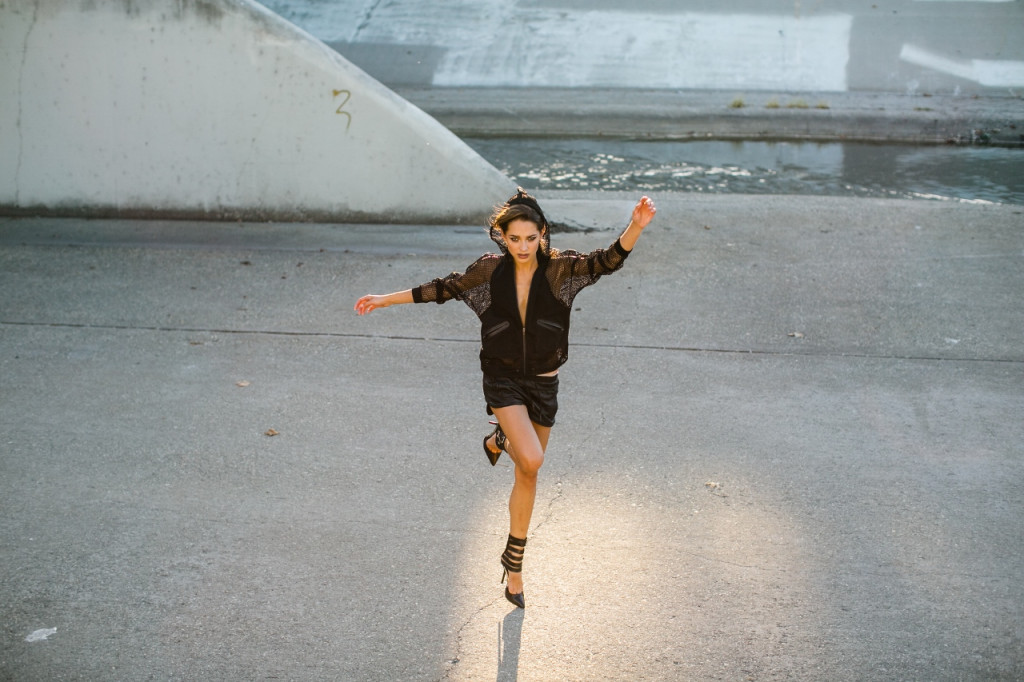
(969, 174)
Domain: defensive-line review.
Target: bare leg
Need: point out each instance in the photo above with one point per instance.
(527, 443)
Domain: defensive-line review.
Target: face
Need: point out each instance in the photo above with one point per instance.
(523, 239)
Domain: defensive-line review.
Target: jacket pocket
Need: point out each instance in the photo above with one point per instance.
(496, 329)
(549, 342)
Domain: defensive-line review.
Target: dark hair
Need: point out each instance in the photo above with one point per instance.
(507, 214)
(520, 206)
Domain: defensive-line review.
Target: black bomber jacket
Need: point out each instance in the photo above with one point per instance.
(508, 347)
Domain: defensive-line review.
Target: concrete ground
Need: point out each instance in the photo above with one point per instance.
(789, 448)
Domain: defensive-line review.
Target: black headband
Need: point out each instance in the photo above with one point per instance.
(524, 199)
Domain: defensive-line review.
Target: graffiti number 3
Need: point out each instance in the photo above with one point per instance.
(340, 110)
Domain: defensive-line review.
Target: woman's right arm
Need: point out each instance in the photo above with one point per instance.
(371, 302)
(439, 290)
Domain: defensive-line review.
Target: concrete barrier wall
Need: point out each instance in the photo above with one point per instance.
(966, 47)
(213, 108)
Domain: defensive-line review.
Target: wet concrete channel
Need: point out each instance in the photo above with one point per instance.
(856, 169)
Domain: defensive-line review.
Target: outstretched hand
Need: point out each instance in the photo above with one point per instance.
(370, 303)
(643, 212)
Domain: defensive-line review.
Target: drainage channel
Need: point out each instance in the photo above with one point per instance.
(954, 173)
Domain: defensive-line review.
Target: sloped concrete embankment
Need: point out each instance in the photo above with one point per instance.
(218, 110)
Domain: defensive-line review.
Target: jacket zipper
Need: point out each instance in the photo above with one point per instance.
(524, 350)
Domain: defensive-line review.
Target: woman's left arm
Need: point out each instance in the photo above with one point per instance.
(643, 212)
(582, 270)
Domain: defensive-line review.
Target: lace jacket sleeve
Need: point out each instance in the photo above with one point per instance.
(573, 271)
(473, 286)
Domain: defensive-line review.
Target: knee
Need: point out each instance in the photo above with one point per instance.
(529, 463)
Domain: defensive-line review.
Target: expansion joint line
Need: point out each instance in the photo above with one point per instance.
(440, 339)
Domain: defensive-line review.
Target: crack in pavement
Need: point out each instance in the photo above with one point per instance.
(441, 339)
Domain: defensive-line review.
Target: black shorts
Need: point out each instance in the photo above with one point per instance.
(538, 394)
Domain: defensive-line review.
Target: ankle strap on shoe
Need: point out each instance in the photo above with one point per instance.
(512, 558)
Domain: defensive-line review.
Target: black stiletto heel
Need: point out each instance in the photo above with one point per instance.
(499, 441)
(512, 561)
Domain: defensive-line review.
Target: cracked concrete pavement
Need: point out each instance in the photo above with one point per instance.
(788, 448)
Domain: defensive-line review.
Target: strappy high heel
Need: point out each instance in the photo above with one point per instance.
(512, 560)
(499, 440)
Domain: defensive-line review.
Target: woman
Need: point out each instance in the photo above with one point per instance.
(523, 298)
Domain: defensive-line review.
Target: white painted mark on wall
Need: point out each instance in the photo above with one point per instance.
(495, 43)
(41, 635)
(684, 50)
(988, 72)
